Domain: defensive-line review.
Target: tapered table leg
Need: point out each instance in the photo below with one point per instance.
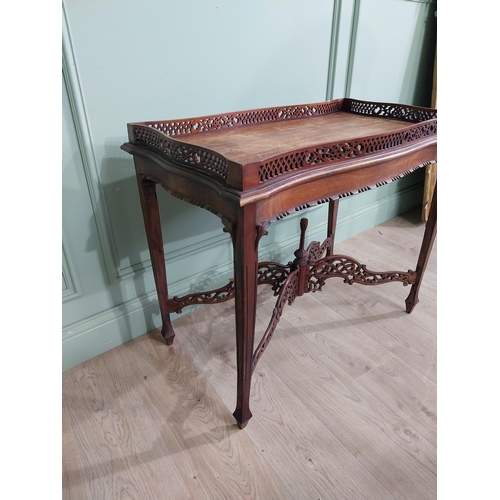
(151, 214)
(333, 210)
(245, 282)
(425, 251)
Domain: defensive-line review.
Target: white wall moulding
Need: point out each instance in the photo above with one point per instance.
(82, 130)
(70, 287)
(344, 23)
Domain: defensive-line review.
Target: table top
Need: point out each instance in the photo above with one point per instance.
(247, 149)
(260, 142)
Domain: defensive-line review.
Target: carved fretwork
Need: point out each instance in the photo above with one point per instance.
(307, 273)
(331, 153)
(287, 294)
(269, 273)
(242, 118)
(388, 110)
(317, 251)
(228, 227)
(177, 304)
(342, 266)
(262, 231)
(181, 153)
(274, 274)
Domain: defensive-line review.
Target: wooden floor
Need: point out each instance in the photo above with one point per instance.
(343, 399)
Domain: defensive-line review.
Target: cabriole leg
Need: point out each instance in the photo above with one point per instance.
(425, 251)
(245, 282)
(151, 214)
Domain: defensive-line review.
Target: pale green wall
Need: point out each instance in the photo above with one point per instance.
(151, 59)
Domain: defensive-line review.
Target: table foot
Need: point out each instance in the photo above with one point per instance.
(168, 334)
(411, 301)
(242, 417)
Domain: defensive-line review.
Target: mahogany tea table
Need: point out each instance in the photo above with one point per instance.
(252, 168)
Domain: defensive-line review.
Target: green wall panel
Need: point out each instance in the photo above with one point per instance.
(393, 46)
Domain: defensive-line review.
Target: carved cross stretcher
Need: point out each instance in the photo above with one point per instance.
(251, 169)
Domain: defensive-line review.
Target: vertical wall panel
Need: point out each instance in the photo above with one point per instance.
(393, 54)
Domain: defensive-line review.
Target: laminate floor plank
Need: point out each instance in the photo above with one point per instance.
(385, 443)
(406, 392)
(342, 341)
(74, 485)
(403, 236)
(215, 458)
(391, 328)
(120, 449)
(304, 453)
(423, 316)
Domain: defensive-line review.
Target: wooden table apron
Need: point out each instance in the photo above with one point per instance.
(246, 213)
